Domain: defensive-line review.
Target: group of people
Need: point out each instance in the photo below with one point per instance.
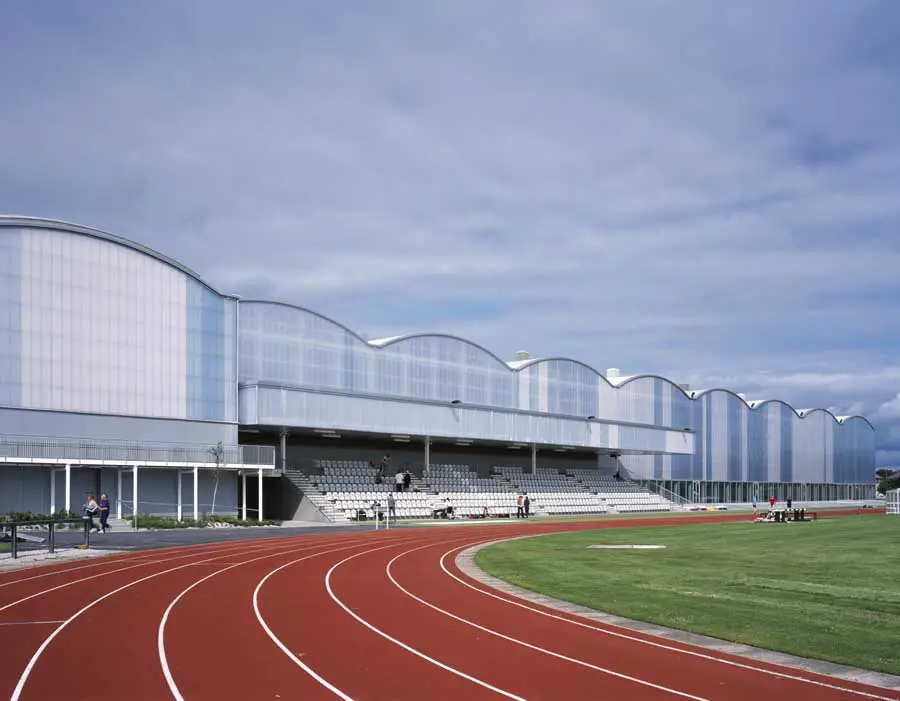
(523, 506)
(92, 508)
(402, 478)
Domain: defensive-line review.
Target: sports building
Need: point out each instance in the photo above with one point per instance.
(122, 371)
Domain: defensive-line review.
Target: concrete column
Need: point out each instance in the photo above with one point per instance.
(534, 458)
(244, 495)
(283, 436)
(52, 490)
(427, 456)
(134, 489)
(68, 487)
(179, 474)
(119, 474)
(260, 475)
(196, 493)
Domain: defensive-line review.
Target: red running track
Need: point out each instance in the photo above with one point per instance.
(353, 616)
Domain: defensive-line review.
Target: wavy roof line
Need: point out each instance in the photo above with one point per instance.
(519, 366)
(7, 220)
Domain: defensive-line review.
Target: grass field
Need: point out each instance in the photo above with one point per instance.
(828, 590)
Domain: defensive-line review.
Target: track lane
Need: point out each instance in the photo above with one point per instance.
(201, 667)
(359, 662)
(526, 672)
(116, 609)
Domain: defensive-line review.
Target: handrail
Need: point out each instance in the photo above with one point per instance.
(13, 528)
(654, 486)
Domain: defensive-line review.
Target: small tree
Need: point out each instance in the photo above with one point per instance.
(218, 454)
(888, 479)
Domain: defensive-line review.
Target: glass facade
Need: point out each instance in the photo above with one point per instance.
(92, 325)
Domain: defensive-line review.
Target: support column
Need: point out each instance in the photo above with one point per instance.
(196, 493)
(68, 487)
(244, 495)
(134, 490)
(283, 436)
(534, 458)
(52, 490)
(260, 494)
(180, 475)
(119, 474)
(427, 456)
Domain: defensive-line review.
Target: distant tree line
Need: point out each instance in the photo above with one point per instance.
(886, 480)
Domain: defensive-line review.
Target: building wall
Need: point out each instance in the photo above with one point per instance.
(90, 324)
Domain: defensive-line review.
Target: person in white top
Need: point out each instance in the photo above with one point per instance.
(398, 481)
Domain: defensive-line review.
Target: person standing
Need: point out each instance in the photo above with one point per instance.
(90, 508)
(392, 506)
(526, 505)
(520, 506)
(104, 513)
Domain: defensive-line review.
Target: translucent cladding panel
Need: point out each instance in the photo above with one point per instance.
(736, 410)
(757, 445)
(636, 400)
(571, 388)
(284, 345)
(210, 368)
(682, 417)
(103, 327)
(788, 417)
(808, 441)
(10, 318)
(700, 432)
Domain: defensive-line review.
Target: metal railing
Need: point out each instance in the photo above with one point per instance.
(655, 487)
(73, 450)
(12, 528)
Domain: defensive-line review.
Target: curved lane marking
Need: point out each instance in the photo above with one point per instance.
(284, 648)
(120, 569)
(23, 679)
(161, 631)
(399, 643)
(651, 643)
(530, 646)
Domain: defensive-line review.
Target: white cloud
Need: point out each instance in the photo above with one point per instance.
(703, 191)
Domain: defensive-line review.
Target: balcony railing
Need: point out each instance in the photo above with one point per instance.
(33, 448)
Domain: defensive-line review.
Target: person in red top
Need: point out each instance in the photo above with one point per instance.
(772, 502)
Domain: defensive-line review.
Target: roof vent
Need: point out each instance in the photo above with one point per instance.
(612, 372)
(522, 355)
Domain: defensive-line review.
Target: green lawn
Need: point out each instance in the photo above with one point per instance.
(828, 590)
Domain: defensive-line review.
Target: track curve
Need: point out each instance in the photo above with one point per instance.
(352, 616)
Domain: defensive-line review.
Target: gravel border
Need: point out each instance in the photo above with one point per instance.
(465, 561)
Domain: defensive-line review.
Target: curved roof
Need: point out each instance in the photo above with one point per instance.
(9, 220)
(512, 366)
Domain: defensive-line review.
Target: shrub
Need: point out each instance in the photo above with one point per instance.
(153, 522)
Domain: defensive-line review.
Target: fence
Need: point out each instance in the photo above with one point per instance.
(34, 448)
(12, 528)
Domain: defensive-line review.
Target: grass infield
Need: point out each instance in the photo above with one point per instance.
(827, 590)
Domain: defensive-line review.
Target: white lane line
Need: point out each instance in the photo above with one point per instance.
(28, 623)
(661, 646)
(284, 648)
(20, 685)
(557, 655)
(108, 572)
(114, 560)
(161, 632)
(399, 643)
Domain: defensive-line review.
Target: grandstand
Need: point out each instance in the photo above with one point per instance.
(342, 490)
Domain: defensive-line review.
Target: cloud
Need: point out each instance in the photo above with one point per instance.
(703, 191)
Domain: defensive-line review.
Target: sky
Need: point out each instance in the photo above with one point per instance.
(703, 190)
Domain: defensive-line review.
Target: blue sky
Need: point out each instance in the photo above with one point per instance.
(697, 189)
